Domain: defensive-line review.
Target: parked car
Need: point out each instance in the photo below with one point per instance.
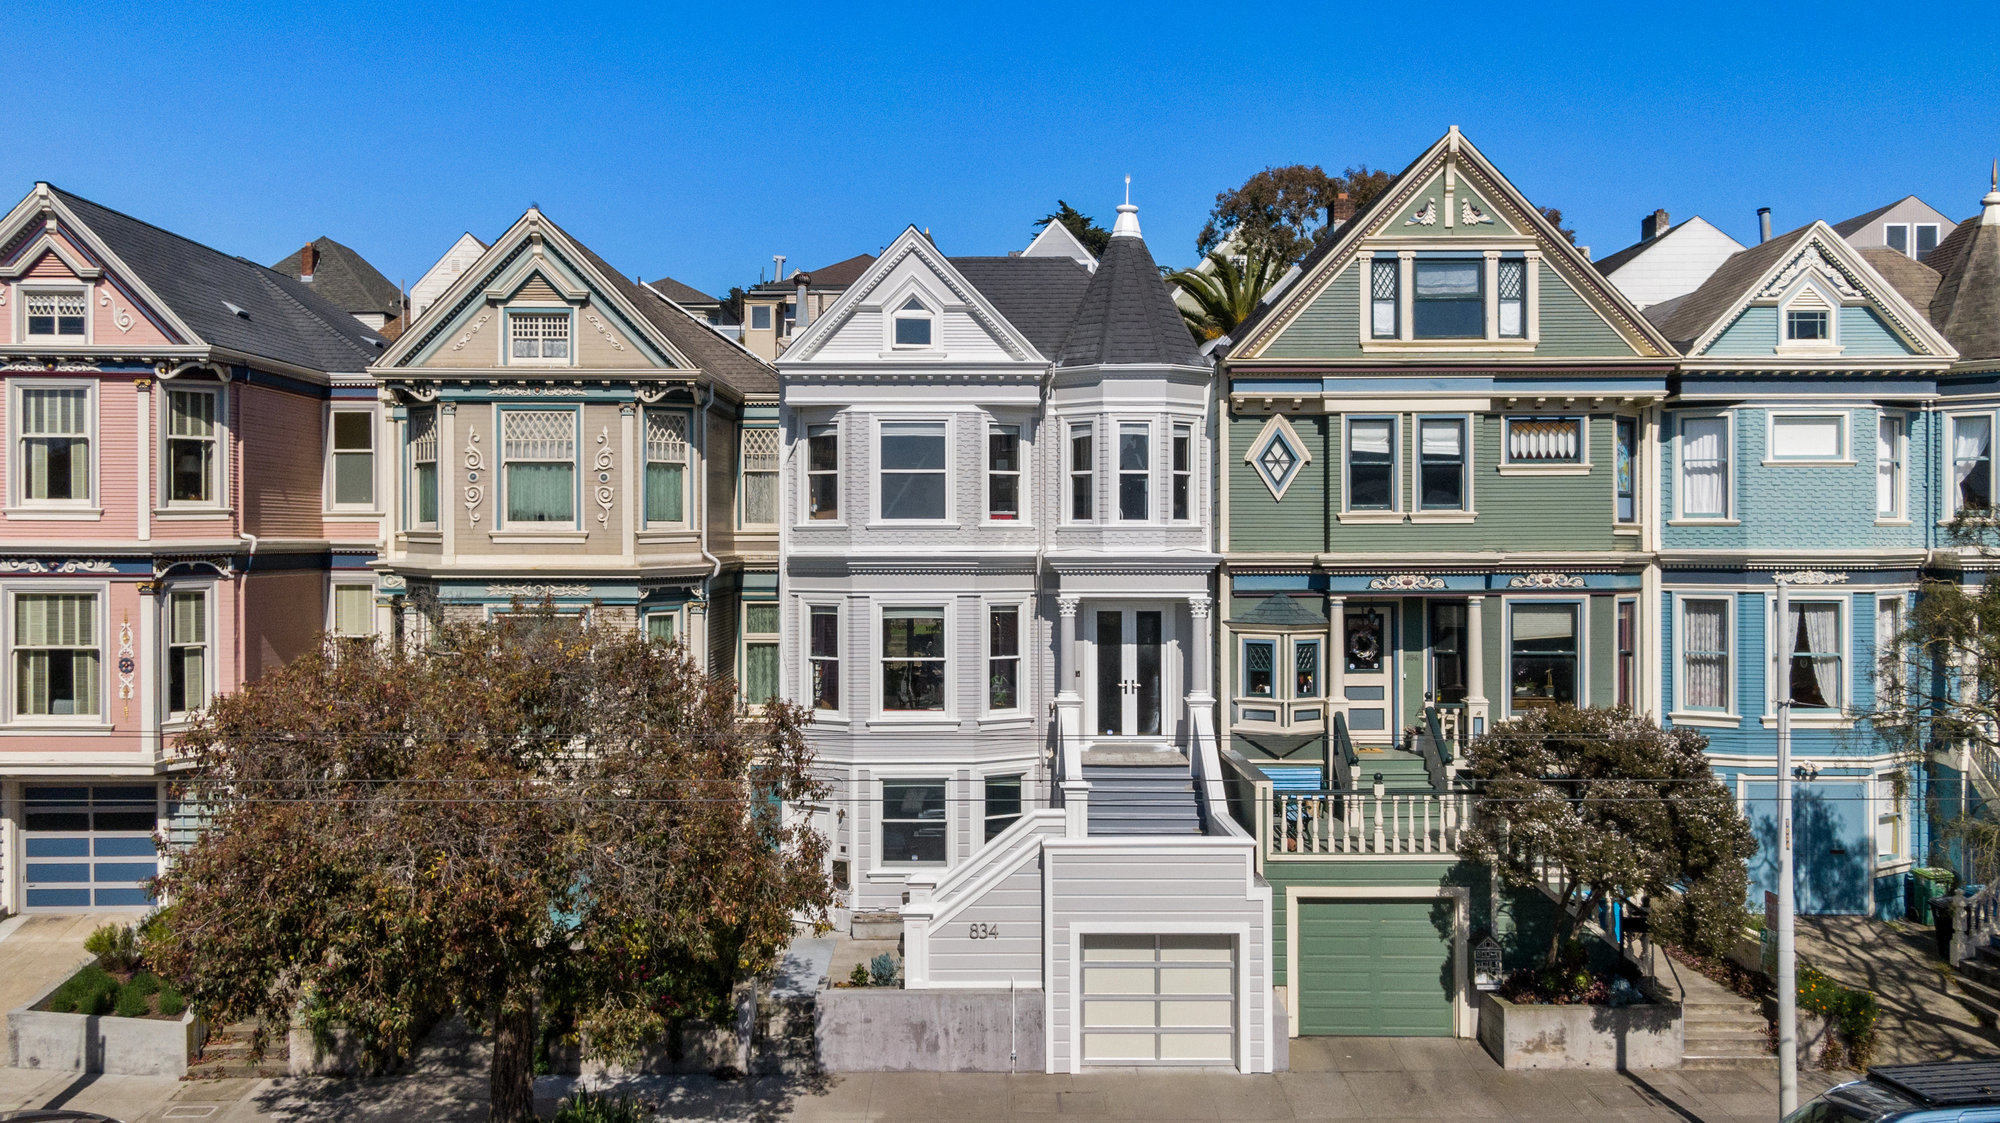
(1918, 1093)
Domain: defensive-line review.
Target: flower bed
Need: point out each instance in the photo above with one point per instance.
(94, 991)
(92, 1036)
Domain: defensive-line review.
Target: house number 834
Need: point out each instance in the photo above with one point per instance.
(985, 931)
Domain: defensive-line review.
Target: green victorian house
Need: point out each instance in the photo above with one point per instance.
(1435, 437)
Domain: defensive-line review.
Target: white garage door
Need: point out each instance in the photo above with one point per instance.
(88, 848)
(1159, 1000)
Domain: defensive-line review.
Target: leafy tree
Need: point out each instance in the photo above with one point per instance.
(1285, 210)
(1095, 238)
(531, 819)
(1227, 292)
(1555, 218)
(1612, 806)
(732, 305)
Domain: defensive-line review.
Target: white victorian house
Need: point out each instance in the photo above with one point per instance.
(998, 565)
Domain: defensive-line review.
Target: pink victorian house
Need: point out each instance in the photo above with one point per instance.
(192, 495)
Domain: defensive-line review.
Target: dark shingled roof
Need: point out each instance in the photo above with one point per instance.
(1127, 315)
(1281, 610)
(707, 348)
(679, 293)
(1967, 305)
(1858, 221)
(345, 278)
(1724, 287)
(1038, 295)
(287, 321)
(1913, 280)
(839, 275)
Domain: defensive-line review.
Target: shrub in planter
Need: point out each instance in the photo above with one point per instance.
(89, 991)
(587, 1108)
(1852, 1013)
(172, 1004)
(859, 976)
(116, 947)
(882, 970)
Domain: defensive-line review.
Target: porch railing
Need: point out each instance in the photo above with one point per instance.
(1370, 821)
(1975, 918)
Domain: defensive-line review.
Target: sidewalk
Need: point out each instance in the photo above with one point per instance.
(37, 952)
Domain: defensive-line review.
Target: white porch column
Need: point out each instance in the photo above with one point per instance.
(1475, 663)
(1200, 644)
(448, 480)
(1336, 658)
(1069, 702)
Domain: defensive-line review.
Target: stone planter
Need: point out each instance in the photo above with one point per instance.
(1815, 1033)
(101, 1042)
(1648, 1035)
(337, 1052)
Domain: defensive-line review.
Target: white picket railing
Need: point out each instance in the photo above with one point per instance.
(1372, 821)
(1974, 921)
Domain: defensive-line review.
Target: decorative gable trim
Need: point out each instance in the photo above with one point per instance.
(41, 206)
(1277, 455)
(47, 243)
(1823, 261)
(865, 293)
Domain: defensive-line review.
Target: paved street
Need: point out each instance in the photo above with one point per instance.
(1352, 1078)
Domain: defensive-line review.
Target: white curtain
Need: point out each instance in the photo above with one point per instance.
(1707, 659)
(1443, 439)
(1971, 437)
(1704, 468)
(1821, 632)
(1369, 436)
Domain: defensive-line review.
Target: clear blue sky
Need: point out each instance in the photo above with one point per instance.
(700, 141)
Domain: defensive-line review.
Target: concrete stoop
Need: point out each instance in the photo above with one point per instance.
(226, 1054)
(1722, 1029)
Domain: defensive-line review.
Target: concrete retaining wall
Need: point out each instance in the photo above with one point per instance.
(1608, 1037)
(891, 1030)
(102, 1043)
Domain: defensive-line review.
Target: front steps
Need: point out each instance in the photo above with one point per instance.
(1724, 1031)
(1141, 792)
(226, 1053)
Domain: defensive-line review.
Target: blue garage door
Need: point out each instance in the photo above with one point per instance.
(89, 847)
(1832, 847)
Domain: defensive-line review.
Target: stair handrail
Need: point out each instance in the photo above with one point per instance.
(1341, 758)
(1430, 743)
(1975, 918)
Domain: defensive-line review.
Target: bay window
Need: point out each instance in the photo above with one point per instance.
(353, 441)
(1305, 668)
(913, 660)
(1441, 464)
(187, 653)
(54, 426)
(1003, 803)
(1704, 642)
(1003, 658)
(760, 652)
(1082, 472)
(1003, 472)
(666, 467)
(1135, 477)
(1704, 490)
(538, 458)
(57, 654)
(823, 472)
(1183, 471)
(1972, 464)
(191, 447)
(1543, 655)
(913, 822)
(1449, 299)
(759, 476)
(1260, 660)
(912, 475)
(1371, 464)
(1890, 445)
(823, 657)
(421, 446)
(1811, 638)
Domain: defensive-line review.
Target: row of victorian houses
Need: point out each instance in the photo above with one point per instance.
(1138, 668)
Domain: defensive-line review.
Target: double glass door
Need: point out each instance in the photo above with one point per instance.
(1129, 645)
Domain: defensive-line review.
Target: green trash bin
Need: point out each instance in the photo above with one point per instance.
(1926, 886)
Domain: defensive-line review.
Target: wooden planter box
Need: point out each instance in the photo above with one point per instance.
(101, 1042)
(1648, 1035)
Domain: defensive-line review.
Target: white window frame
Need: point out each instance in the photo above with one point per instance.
(1581, 605)
(17, 447)
(1728, 515)
(760, 312)
(1901, 599)
(1466, 509)
(334, 585)
(1683, 713)
(687, 463)
(1949, 453)
(832, 427)
(776, 472)
(1119, 472)
(412, 518)
(1844, 456)
(1022, 682)
(507, 356)
(333, 455)
(1179, 478)
(1916, 238)
(218, 466)
(1898, 465)
(209, 685)
(575, 477)
(1778, 660)
(916, 776)
(773, 639)
(877, 678)
(808, 661)
(1020, 473)
(1909, 238)
(1071, 431)
(1581, 466)
(1394, 511)
(950, 458)
(11, 689)
(25, 291)
(1894, 813)
(899, 311)
(986, 816)
(677, 623)
(1831, 344)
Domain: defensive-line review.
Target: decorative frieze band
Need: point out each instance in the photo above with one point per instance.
(536, 592)
(73, 565)
(1546, 581)
(1401, 581)
(1809, 577)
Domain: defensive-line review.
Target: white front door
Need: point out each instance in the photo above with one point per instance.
(1369, 647)
(1129, 686)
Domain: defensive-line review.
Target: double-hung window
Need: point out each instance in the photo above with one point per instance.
(1704, 641)
(187, 653)
(913, 822)
(760, 651)
(1534, 441)
(663, 626)
(1890, 446)
(1972, 464)
(760, 317)
(1003, 658)
(1625, 473)
(57, 655)
(1627, 638)
(421, 446)
(912, 476)
(823, 472)
(353, 458)
(1889, 673)
(1704, 485)
(1384, 289)
(1543, 656)
(823, 657)
(56, 315)
(1003, 472)
(1082, 472)
(760, 476)
(1450, 299)
(914, 327)
(1441, 464)
(1512, 280)
(913, 660)
(1182, 492)
(193, 458)
(1003, 804)
(1135, 471)
(1892, 843)
(55, 444)
(1807, 438)
(354, 611)
(1812, 641)
(1371, 464)
(538, 451)
(666, 467)
(538, 337)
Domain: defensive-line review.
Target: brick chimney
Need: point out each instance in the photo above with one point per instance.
(1341, 212)
(1653, 225)
(308, 257)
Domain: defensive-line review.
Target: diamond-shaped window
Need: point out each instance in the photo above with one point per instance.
(1277, 463)
(1277, 455)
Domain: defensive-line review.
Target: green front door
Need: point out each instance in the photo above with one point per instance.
(1374, 968)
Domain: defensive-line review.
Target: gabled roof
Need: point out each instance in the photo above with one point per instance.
(1038, 295)
(1015, 284)
(1057, 240)
(680, 293)
(1127, 315)
(1726, 286)
(1915, 281)
(1860, 221)
(839, 275)
(346, 279)
(284, 320)
(1966, 307)
(1610, 263)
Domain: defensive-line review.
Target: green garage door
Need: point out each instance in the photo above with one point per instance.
(1373, 969)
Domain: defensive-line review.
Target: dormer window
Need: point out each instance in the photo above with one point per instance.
(1803, 324)
(1513, 286)
(913, 324)
(538, 337)
(1806, 320)
(56, 315)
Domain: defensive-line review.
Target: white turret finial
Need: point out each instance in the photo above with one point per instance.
(1989, 215)
(1127, 225)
